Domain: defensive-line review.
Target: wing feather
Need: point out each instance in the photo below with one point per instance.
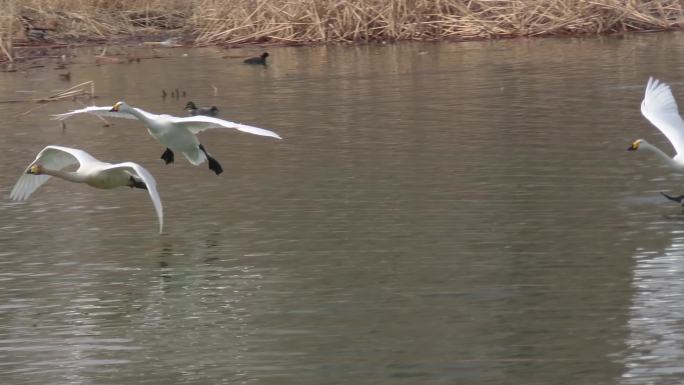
(53, 157)
(95, 110)
(151, 184)
(660, 108)
(200, 123)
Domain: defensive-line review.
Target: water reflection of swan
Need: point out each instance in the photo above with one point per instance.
(656, 325)
(177, 134)
(660, 108)
(52, 159)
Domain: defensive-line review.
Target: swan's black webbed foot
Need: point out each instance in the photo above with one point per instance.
(676, 199)
(137, 184)
(167, 156)
(213, 164)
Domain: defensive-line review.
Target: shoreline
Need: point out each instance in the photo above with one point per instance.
(180, 41)
(25, 55)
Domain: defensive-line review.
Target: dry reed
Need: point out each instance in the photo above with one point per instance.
(207, 22)
(82, 90)
(365, 20)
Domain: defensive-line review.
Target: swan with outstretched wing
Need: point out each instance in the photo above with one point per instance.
(53, 159)
(660, 108)
(178, 134)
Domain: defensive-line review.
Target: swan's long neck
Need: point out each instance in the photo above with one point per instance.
(67, 175)
(660, 154)
(137, 114)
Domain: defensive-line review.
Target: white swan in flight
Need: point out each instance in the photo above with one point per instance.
(52, 159)
(176, 133)
(660, 108)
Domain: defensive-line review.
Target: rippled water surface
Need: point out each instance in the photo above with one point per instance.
(436, 214)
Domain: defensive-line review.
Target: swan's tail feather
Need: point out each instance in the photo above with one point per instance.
(195, 157)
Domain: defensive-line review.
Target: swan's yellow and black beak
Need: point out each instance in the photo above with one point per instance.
(634, 146)
(34, 169)
(115, 108)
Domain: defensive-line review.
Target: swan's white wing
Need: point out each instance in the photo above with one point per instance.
(660, 108)
(52, 157)
(151, 184)
(200, 123)
(103, 111)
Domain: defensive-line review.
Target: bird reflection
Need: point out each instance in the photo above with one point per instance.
(656, 324)
(164, 268)
(211, 244)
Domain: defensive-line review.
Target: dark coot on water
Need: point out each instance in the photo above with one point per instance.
(258, 60)
(207, 111)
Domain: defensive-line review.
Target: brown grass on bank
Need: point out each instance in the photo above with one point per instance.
(304, 21)
(367, 20)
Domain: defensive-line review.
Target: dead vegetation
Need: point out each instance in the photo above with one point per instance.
(380, 20)
(85, 90)
(208, 22)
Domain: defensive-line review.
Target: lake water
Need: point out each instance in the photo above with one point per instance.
(460, 213)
